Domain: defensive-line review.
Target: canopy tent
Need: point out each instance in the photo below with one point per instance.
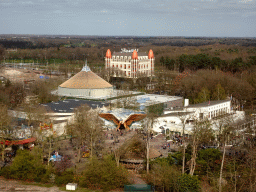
(55, 158)
(19, 142)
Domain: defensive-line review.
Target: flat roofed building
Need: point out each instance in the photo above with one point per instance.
(210, 109)
(130, 63)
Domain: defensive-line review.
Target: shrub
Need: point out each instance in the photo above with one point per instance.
(163, 175)
(64, 178)
(6, 172)
(104, 174)
(24, 167)
(188, 183)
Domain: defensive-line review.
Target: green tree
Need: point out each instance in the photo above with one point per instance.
(164, 176)
(203, 95)
(104, 174)
(206, 161)
(25, 166)
(162, 61)
(219, 93)
(188, 183)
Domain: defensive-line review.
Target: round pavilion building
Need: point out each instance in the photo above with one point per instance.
(85, 84)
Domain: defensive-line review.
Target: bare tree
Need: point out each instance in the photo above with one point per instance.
(35, 114)
(88, 129)
(5, 121)
(202, 134)
(148, 126)
(183, 118)
(225, 128)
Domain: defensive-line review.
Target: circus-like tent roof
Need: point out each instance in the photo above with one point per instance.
(86, 79)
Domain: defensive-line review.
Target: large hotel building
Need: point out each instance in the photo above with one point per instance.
(130, 63)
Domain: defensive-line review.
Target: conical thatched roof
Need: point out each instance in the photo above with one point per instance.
(86, 79)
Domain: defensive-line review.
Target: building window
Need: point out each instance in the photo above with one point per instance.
(201, 116)
(121, 66)
(124, 66)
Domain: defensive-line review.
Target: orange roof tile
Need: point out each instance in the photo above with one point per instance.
(150, 54)
(134, 55)
(108, 54)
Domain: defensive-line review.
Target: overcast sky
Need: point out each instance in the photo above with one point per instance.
(215, 18)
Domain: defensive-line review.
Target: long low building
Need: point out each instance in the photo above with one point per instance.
(210, 109)
(172, 120)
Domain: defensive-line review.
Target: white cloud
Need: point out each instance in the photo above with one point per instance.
(246, 1)
(26, 2)
(58, 11)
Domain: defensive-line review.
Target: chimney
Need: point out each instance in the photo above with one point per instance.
(186, 102)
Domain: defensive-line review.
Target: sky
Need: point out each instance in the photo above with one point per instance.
(210, 18)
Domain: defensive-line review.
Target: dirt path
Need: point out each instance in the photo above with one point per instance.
(135, 178)
(12, 185)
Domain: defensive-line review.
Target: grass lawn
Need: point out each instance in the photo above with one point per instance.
(79, 189)
(48, 185)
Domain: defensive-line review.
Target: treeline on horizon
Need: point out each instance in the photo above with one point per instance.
(204, 61)
(48, 42)
(204, 65)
